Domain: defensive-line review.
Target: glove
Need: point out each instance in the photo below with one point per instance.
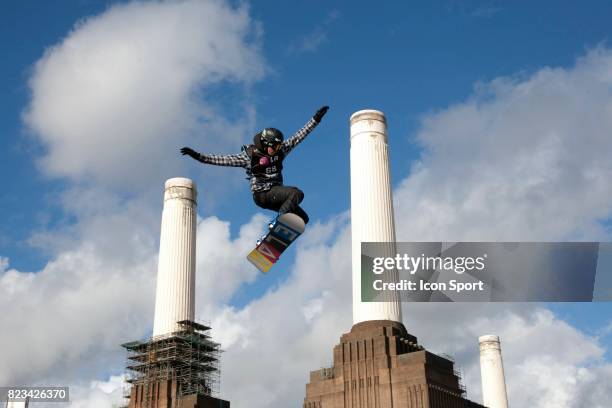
(189, 152)
(320, 113)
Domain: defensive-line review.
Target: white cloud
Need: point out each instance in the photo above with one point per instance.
(524, 158)
(71, 316)
(107, 393)
(606, 331)
(220, 271)
(312, 41)
(4, 264)
(117, 98)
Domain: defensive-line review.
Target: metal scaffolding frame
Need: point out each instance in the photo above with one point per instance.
(188, 356)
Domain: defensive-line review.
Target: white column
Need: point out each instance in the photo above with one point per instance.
(21, 404)
(492, 373)
(371, 206)
(175, 297)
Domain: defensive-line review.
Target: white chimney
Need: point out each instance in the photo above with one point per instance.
(371, 206)
(14, 404)
(175, 298)
(492, 373)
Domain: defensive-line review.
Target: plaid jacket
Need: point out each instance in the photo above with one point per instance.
(242, 159)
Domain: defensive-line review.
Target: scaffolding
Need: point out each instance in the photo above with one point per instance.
(187, 356)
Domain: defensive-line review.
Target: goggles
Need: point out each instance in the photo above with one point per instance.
(274, 145)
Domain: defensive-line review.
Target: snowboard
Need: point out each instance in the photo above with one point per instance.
(282, 232)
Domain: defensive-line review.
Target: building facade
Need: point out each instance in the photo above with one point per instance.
(378, 364)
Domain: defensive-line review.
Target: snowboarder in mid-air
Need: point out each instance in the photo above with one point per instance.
(263, 161)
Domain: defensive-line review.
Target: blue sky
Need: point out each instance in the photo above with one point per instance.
(419, 62)
(420, 58)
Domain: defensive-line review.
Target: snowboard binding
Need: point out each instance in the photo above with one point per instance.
(271, 225)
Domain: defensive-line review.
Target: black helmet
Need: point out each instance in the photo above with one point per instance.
(269, 137)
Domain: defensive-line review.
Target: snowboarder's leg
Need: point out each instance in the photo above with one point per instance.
(293, 197)
(266, 200)
(282, 199)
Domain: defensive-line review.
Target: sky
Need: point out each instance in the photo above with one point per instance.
(499, 118)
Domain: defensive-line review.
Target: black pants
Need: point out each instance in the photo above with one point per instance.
(283, 199)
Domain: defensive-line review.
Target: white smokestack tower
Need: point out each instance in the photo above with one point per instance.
(371, 205)
(175, 297)
(20, 404)
(492, 372)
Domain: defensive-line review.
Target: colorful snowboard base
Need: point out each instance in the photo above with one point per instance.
(283, 232)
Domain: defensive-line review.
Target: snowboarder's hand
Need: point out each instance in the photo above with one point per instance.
(320, 113)
(189, 152)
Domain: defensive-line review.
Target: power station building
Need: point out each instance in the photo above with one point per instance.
(378, 364)
(178, 367)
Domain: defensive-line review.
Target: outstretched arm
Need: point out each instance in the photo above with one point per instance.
(301, 134)
(232, 160)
